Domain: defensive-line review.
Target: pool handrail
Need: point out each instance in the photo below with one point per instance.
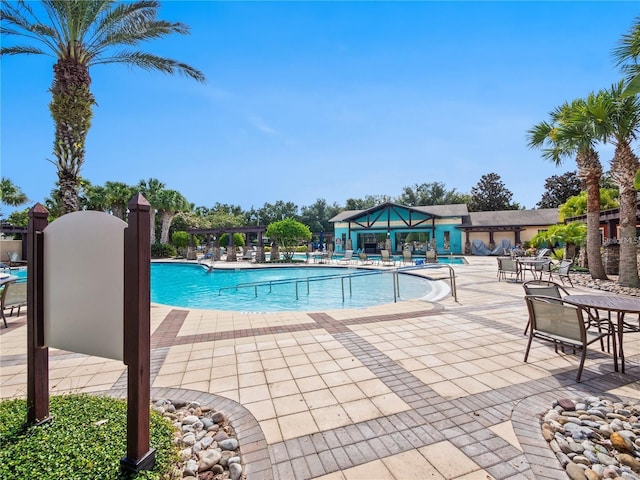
(350, 275)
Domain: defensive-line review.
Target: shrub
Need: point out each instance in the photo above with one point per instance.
(162, 250)
(86, 438)
(238, 239)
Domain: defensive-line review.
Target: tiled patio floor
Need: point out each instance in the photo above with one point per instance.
(403, 391)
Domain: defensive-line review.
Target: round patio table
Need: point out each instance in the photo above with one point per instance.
(612, 303)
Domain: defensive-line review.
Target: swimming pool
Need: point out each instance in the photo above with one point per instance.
(192, 286)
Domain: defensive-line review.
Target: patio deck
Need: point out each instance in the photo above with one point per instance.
(407, 390)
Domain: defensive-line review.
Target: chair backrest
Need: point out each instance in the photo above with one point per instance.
(563, 268)
(555, 317)
(544, 288)
(385, 254)
(406, 255)
(363, 256)
(507, 264)
(542, 253)
(348, 254)
(14, 295)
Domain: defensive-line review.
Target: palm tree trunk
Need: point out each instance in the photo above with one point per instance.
(590, 170)
(625, 165)
(166, 218)
(71, 109)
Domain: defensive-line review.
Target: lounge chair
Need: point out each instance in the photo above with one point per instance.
(14, 259)
(347, 257)
(364, 259)
(14, 295)
(407, 258)
(562, 322)
(385, 258)
(248, 255)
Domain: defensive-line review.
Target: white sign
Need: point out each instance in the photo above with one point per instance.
(84, 284)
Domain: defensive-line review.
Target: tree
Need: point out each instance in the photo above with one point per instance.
(317, 215)
(626, 55)
(280, 210)
(433, 193)
(571, 132)
(80, 34)
(169, 203)
(571, 235)
(288, 233)
(490, 194)
(618, 122)
(117, 198)
(367, 202)
(10, 193)
(151, 190)
(577, 205)
(180, 240)
(558, 188)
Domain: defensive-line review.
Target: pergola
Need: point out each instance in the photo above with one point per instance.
(215, 233)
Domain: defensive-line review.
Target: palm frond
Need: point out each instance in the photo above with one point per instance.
(628, 48)
(22, 49)
(149, 61)
(633, 87)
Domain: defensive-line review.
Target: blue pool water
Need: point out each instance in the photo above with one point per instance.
(191, 286)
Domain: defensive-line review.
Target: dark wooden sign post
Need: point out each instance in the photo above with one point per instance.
(133, 316)
(137, 335)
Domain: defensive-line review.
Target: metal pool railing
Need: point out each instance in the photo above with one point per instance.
(342, 277)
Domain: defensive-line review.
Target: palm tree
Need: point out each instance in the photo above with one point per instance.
(170, 202)
(117, 197)
(80, 34)
(626, 55)
(10, 193)
(618, 121)
(151, 189)
(569, 133)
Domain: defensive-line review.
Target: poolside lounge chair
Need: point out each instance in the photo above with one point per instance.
(14, 295)
(562, 322)
(385, 258)
(347, 257)
(407, 257)
(14, 259)
(364, 259)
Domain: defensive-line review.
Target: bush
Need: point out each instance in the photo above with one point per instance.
(162, 250)
(86, 438)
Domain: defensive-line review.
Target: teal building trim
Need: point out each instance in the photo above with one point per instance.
(394, 227)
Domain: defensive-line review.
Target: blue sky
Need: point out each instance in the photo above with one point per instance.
(331, 100)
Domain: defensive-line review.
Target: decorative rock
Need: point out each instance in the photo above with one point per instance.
(567, 404)
(575, 472)
(235, 471)
(229, 444)
(218, 417)
(595, 438)
(208, 459)
(189, 419)
(196, 425)
(190, 469)
(629, 461)
(621, 443)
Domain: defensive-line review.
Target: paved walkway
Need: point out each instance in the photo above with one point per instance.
(411, 390)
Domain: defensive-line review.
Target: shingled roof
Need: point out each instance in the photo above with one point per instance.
(504, 218)
(455, 210)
